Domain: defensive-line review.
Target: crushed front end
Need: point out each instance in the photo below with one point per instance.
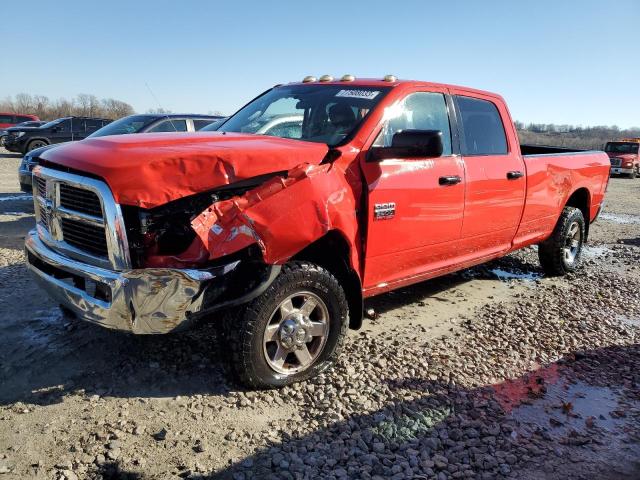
(81, 254)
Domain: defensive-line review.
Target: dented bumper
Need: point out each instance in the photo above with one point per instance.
(141, 301)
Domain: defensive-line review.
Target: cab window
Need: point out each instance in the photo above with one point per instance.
(417, 111)
(482, 132)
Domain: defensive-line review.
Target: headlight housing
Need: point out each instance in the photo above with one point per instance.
(19, 134)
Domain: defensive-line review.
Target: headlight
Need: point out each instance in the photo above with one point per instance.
(20, 134)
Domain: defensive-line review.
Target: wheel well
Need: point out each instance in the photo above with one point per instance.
(332, 252)
(581, 199)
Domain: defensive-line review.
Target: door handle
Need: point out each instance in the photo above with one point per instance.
(513, 175)
(449, 180)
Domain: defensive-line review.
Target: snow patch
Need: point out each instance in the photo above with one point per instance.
(13, 198)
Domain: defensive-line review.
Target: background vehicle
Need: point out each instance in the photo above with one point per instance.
(67, 129)
(148, 123)
(624, 156)
(389, 183)
(31, 123)
(154, 123)
(10, 119)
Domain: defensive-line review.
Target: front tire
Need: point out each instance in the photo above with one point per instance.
(292, 332)
(33, 144)
(562, 252)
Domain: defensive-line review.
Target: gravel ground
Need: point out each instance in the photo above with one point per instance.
(495, 372)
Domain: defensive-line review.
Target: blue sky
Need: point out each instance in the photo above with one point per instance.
(574, 62)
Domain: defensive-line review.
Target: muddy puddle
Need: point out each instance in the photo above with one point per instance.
(514, 275)
(547, 400)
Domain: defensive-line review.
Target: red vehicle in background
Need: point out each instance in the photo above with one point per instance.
(382, 183)
(624, 156)
(10, 119)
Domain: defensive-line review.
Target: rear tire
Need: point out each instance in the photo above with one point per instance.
(562, 252)
(290, 333)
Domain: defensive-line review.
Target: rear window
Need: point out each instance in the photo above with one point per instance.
(170, 125)
(21, 118)
(482, 130)
(6, 118)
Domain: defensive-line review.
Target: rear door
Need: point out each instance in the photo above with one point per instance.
(78, 130)
(91, 125)
(413, 218)
(495, 176)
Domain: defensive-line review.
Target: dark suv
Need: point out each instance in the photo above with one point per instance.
(67, 129)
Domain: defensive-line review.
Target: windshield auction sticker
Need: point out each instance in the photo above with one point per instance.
(365, 94)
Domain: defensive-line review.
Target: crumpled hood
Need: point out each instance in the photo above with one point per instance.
(152, 169)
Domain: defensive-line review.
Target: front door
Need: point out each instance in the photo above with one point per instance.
(495, 178)
(62, 132)
(415, 206)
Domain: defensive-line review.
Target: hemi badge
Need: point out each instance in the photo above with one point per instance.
(384, 211)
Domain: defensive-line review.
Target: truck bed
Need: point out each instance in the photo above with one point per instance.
(546, 150)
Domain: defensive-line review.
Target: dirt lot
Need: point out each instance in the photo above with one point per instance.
(496, 372)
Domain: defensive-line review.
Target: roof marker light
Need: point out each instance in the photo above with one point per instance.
(326, 78)
(309, 78)
(389, 78)
(347, 78)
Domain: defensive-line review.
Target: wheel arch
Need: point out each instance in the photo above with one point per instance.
(581, 199)
(332, 251)
(30, 140)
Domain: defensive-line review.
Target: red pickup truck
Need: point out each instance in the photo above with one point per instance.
(380, 184)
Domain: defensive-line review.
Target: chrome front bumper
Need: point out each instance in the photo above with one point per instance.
(621, 171)
(141, 301)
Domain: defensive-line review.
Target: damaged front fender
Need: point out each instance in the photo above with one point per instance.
(282, 216)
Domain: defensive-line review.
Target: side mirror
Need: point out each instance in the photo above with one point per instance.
(416, 144)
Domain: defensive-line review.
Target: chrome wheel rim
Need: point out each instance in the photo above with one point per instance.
(572, 243)
(296, 333)
(36, 144)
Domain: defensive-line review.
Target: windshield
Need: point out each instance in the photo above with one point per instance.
(622, 147)
(315, 113)
(53, 123)
(130, 124)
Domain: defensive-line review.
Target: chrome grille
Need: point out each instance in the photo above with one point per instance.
(80, 200)
(79, 217)
(44, 216)
(41, 184)
(84, 236)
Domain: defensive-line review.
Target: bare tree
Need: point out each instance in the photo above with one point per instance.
(82, 105)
